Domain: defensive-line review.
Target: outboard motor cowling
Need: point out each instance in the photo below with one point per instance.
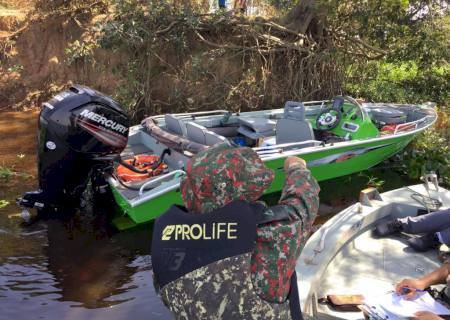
(78, 129)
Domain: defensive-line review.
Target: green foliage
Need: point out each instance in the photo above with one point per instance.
(372, 181)
(5, 173)
(77, 51)
(429, 152)
(3, 203)
(131, 32)
(402, 82)
(15, 68)
(412, 35)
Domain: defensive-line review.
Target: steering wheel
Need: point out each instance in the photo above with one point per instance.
(328, 119)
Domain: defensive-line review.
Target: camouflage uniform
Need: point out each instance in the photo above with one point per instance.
(219, 176)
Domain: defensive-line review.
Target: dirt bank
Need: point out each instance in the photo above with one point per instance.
(18, 148)
(34, 59)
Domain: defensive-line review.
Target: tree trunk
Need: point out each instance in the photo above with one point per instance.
(300, 17)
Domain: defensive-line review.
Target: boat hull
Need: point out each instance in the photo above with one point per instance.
(326, 163)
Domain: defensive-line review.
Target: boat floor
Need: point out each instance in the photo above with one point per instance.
(371, 266)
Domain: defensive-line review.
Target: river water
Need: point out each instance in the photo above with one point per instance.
(68, 270)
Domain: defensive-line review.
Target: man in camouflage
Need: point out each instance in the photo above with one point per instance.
(253, 285)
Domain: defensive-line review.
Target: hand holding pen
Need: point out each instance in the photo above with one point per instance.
(409, 287)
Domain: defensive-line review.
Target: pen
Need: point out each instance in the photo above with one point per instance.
(406, 290)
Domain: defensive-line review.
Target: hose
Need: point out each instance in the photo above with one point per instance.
(134, 169)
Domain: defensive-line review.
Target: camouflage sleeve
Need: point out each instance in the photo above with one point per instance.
(278, 244)
(301, 194)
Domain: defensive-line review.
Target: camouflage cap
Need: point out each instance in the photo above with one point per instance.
(221, 174)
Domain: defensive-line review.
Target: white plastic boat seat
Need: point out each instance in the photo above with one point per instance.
(255, 128)
(294, 110)
(175, 125)
(212, 138)
(196, 132)
(290, 130)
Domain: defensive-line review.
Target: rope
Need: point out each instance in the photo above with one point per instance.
(428, 202)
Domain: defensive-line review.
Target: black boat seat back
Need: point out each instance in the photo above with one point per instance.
(175, 125)
(293, 127)
(338, 102)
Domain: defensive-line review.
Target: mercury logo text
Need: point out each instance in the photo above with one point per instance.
(103, 121)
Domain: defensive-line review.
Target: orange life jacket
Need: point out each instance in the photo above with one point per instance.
(141, 162)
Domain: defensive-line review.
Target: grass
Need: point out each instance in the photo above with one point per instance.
(6, 174)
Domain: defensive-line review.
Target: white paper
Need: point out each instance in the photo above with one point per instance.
(395, 304)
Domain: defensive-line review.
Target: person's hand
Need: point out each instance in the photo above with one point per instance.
(426, 315)
(408, 287)
(294, 160)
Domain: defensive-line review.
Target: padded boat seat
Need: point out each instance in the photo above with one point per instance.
(256, 128)
(175, 125)
(294, 110)
(293, 127)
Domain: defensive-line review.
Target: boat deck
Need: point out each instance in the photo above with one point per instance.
(350, 261)
(371, 266)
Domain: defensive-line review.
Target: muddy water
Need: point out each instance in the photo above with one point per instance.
(68, 270)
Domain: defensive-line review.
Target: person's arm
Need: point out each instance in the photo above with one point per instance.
(426, 315)
(438, 276)
(278, 244)
(300, 192)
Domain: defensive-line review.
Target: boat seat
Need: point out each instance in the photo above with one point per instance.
(196, 132)
(294, 110)
(212, 138)
(256, 128)
(175, 125)
(293, 127)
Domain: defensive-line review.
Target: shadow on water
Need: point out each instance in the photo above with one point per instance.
(56, 269)
(67, 270)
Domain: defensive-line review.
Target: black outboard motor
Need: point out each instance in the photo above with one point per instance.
(79, 129)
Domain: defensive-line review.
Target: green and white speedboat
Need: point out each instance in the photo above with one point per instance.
(336, 138)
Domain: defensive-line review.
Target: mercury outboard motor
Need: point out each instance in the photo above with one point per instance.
(79, 129)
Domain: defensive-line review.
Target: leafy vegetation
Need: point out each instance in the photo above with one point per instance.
(373, 181)
(7, 173)
(3, 203)
(179, 57)
(429, 152)
(170, 56)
